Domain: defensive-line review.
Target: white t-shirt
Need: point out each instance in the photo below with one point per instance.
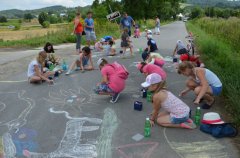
(31, 71)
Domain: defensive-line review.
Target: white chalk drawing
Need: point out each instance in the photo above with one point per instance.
(71, 146)
(8, 146)
(21, 119)
(109, 125)
(201, 149)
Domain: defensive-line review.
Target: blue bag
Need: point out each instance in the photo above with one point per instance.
(220, 130)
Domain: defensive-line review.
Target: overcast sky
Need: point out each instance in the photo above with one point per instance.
(36, 4)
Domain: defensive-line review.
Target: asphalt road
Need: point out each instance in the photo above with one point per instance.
(67, 120)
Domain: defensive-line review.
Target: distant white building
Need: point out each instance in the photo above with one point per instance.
(62, 14)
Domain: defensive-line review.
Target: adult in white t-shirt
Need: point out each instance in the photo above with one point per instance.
(35, 69)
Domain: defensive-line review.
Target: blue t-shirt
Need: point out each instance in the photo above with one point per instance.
(153, 45)
(127, 22)
(89, 22)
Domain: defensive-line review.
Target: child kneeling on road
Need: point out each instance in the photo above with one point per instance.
(113, 79)
(176, 112)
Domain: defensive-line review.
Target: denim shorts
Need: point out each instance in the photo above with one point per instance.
(104, 88)
(216, 90)
(175, 120)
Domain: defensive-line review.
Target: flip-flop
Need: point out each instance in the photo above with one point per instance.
(207, 106)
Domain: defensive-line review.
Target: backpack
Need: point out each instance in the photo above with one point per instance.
(121, 70)
(220, 130)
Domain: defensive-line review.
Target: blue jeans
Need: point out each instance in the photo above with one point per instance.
(175, 120)
(216, 90)
(104, 88)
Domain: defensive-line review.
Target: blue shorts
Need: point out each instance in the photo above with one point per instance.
(85, 61)
(104, 88)
(175, 120)
(216, 90)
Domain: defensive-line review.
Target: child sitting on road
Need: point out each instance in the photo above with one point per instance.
(82, 62)
(152, 45)
(176, 112)
(35, 69)
(99, 45)
(51, 58)
(110, 48)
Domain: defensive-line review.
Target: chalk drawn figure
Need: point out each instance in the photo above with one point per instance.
(141, 150)
(21, 120)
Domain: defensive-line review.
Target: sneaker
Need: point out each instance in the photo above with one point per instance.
(68, 73)
(188, 125)
(115, 98)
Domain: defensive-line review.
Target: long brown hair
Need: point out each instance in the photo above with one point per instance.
(41, 58)
(184, 65)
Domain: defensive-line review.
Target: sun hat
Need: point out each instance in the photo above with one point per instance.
(212, 118)
(145, 54)
(151, 79)
(99, 61)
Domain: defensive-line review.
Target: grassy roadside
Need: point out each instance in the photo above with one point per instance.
(222, 58)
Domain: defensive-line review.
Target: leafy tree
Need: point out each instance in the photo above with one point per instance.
(100, 11)
(28, 16)
(3, 19)
(53, 19)
(42, 17)
(196, 12)
(46, 24)
(95, 4)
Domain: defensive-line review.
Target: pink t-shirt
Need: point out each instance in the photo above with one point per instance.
(151, 68)
(116, 83)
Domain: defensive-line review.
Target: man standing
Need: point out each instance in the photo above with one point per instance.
(127, 22)
(89, 29)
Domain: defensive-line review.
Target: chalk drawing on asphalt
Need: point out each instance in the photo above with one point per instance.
(71, 145)
(139, 150)
(21, 119)
(201, 149)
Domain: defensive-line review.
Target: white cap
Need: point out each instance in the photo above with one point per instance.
(151, 79)
(99, 61)
(149, 31)
(102, 40)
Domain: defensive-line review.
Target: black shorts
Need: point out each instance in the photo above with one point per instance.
(182, 51)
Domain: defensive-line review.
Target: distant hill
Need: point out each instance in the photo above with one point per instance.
(216, 3)
(15, 13)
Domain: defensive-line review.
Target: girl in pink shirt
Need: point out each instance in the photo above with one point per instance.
(148, 69)
(111, 83)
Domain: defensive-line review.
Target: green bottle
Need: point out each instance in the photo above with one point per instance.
(147, 128)
(51, 67)
(149, 96)
(140, 51)
(197, 117)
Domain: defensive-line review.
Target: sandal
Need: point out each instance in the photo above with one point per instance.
(207, 106)
(188, 125)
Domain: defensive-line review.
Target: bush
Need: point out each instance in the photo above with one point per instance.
(42, 17)
(223, 59)
(3, 19)
(46, 24)
(17, 27)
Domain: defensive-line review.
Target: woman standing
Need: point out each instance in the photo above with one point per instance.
(78, 29)
(202, 81)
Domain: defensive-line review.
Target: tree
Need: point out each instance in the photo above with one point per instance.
(42, 17)
(3, 19)
(46, 24)
(196, 12)
(95, 4)
(28, 17)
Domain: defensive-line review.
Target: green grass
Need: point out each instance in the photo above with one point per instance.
(222, 58)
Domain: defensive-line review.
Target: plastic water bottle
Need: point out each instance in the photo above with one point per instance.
(144, 93)
(64, 65)
(149, 96)
(147, 128)
(140, 51)
(197, 117)
(51, 67)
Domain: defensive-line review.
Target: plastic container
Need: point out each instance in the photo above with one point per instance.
(197, 117)
(147, 128)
